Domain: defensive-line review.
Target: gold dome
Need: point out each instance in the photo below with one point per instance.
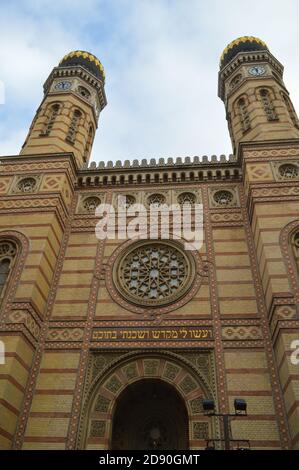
(86, 60)
(242, 44)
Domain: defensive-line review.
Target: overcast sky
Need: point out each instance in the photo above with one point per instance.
(161, 59)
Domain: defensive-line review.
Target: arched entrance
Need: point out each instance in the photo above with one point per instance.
(150, 415)
(111, 397)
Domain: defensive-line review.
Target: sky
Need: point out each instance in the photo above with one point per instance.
(161, 59)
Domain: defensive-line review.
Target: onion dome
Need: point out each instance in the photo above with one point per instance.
(86, 60)
(243, 44)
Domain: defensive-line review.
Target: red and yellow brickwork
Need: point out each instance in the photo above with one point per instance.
(74, 343)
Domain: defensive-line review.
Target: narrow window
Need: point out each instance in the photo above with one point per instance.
(54, 110)
(71, 135)
(7, 255)
(268, 105)
(244, 116)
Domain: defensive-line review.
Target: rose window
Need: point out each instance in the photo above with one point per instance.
(156, 200)
(91, 203)
(288, 171)
(27, 185)
(186, 198)
(223, 198)
(154, 273)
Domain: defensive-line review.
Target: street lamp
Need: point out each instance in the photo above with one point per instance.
(240, 406)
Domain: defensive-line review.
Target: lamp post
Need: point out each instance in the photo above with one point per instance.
(240, 406)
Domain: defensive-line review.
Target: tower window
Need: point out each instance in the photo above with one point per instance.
(54, 110)
(268, 105)
(71, 135)
(243, 112)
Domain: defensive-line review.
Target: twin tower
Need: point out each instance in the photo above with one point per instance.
(257, 103)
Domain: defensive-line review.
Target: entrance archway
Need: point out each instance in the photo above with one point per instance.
(150, 415)
(111, 388)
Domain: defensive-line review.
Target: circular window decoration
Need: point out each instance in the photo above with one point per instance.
(27, 185)
(223, 197)
(288, 171)
(156, 200)
(186, 198)
(154, 273)
(91, 203)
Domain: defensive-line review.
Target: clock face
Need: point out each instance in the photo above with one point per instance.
(65, 85)
(257, 70)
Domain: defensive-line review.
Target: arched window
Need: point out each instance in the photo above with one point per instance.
(54, 110)
(71, 135)
(8, 251)
(295, 246)
(88, 144)
(268, 105)
(243, 113)
(290, 109)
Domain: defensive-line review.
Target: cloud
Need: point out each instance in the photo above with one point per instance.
(161, 59)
